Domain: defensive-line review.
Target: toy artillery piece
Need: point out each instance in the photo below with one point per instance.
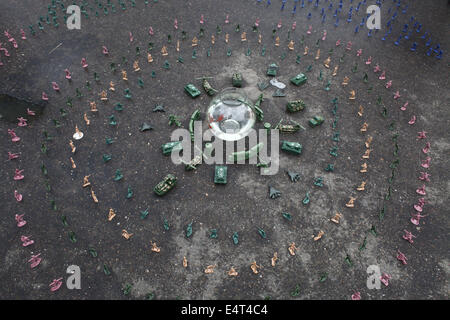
(289, 128)
(165, 185)
(169, 147)
(192, 165)
(256, 107)
(295, 106)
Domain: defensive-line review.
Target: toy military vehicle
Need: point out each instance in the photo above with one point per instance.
(169, 147)
(296, 105)
(165, 185)
(315, 121)
(289, 128)
(208, 88)
(237, 80)
(272, 70)
(192, 165)
(192, 90)
(292, 147)
(220, 175)
(299, 79)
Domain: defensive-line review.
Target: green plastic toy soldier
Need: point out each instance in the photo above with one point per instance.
(306, 200)
(213, 233)
(112, 120)
(127, 93)
(129, 193)
(174, 120)
(235, 238)
(118, 176)
(189, 230)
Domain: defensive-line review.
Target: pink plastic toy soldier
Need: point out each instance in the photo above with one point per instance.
(424, 176)
(6, 52)
(14, 137)
(426, 163)
(84, 63)
(422, 202)
(412, 120)
(14, 42)
(12, 156)
(131, 36)
(150, 31)
(309, 30)
(408, 236)
(202, 19)
(26, 241)
(356, 296)
(18, 196)
(349, 45)
(68, 74)
(382, 76)
(227, 19)
(105, 50)
(279, 24)
(401, 257)
(55, 86)
(20, 221)
(7, 34)
(415, 219)
(403, 108)
(338, 43)
(35, 260)
(419, 206)
(385, 279)
(324, 35)
(18, 175)
(294, 25)
(175, 24)
(397, 95)
(24, 37)
(44, 96)
(30, 112)
(388, 84)
(422, 135)
(56, 284)
(359, 52)
(377, 68)
(369, 60)
(426, 149)
(421, 191)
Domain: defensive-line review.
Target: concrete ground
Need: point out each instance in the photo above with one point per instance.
(243, 204)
